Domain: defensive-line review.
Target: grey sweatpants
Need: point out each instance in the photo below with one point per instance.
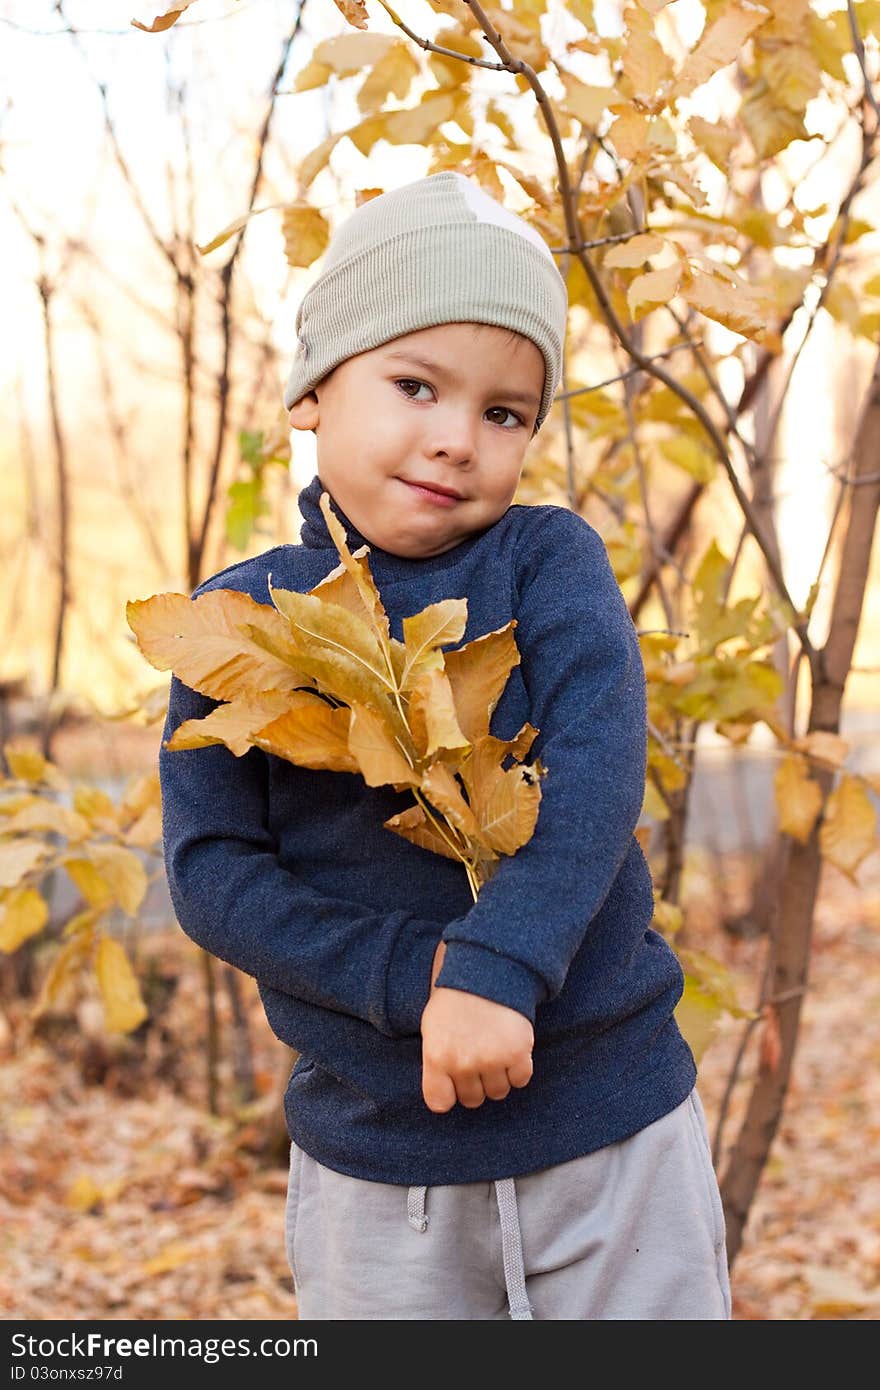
(634, 1231)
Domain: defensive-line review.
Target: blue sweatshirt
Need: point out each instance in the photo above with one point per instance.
(289, 874)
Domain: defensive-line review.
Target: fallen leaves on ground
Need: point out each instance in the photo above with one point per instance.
(121, 1197)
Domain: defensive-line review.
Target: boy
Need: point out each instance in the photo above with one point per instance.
(492, 1112)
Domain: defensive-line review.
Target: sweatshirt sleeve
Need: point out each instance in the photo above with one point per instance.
(582, 668)
(233, 897)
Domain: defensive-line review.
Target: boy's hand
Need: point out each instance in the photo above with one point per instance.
(472, 1048)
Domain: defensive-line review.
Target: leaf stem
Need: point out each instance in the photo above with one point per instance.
(456, 849)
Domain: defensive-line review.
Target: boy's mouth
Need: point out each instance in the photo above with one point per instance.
(434, 492)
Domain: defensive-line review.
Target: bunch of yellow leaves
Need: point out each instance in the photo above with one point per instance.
(318, 679)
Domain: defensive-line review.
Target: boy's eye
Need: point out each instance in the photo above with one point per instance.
(403, 383)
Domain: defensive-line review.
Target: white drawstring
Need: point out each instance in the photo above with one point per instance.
(511, 1241)
(511, 1247)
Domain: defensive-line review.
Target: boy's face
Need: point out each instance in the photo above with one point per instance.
(421, 454)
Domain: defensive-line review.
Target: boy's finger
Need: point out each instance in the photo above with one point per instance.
(438, 1090)
(496, 1084)
(470, 1091)
(521, 1073)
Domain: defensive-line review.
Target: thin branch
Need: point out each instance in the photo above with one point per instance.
(226, 320)
(859, 50)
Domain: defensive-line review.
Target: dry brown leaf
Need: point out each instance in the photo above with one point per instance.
(222, 643)
(311, 733)
(373, 744)
(478, 673)
(233, 724)
(415, 826)
(432, 716)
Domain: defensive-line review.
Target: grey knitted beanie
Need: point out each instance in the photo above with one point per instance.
(438, 250)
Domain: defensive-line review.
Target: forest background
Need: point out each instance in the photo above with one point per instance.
(707, 175)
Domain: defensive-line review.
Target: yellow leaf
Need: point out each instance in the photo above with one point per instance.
(146, 831)
(140, 793)
(233, 724)
(316, 160)
(355, 11)
(721, 43)
(306, 233)
(824, 747)
(84, 1193)
(314, 74)
(482, 766)
(357, 566)
(374, 747)
(654, 287)
(175, 1254)
(587, 104)
(848, 832)
(164, 20)
(340, 586)
(25, 764)
(628, 255)
(222, 643)
(23, 913)
(735, 733)
(770, 126)
(478, 673)
(124, 1009)
(83, 921)
(646, 66)
(798, 798)
(205, 248)
(335, 648)
(409, 126)
(49, 815)
(444, 792)
(717, 141)
(629, 131)
(830, 39)
(793, 74)
(348, 53)
(97, 807)
(310, 733)
(507, 809)
(64, 970)
(392, 75)
(688, 453)
(698, 1015)
(716, 978)
(123, 871)
(426, 632)
(449, 71)
(735, 306)
(110, 872)
(18, 857)
(432, 716)
(414, 825)
(653, 804)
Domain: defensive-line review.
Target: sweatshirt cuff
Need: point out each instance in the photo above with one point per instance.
(479, 970)
(408, 981)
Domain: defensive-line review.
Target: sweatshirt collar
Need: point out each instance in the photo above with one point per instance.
(314, 535)
(314, 531)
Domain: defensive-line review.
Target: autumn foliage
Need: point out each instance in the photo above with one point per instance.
(318, 679)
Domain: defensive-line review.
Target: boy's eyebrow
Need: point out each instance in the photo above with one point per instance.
(523, 397)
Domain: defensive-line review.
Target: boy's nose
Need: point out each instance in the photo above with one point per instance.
(455, 438)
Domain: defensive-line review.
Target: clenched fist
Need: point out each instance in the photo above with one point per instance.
(472, 1048)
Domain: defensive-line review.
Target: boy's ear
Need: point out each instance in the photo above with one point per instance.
(303, 415)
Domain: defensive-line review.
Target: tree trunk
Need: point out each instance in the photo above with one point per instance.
(790, 948)
(63, 500)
